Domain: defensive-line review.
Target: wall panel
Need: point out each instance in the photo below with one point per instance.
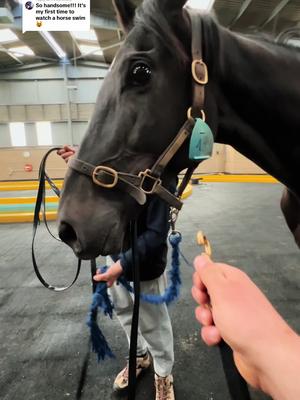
(17, 114)
(4, 114)
(13, 161)
(4, 136)
(34, 113)
(50, 92)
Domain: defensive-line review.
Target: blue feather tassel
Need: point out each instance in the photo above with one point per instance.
(102, 301)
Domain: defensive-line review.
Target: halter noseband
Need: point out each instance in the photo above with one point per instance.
(149, 182)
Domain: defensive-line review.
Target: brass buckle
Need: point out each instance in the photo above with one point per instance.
(154, 181)
(110, 171)
(189, 114)
(203, 81)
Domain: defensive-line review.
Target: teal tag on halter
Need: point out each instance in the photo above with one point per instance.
(202, 141)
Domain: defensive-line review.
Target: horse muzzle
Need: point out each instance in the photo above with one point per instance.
(88, 244)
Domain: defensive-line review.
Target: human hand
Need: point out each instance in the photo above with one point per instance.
(111, 275)
(233, 308)
(66, 152)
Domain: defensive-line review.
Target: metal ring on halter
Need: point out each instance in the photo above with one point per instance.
(113, 174)
(144, 175)
(204, 80)
(189, 114)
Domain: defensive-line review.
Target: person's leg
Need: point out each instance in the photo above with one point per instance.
(156, 328)
(123, 307)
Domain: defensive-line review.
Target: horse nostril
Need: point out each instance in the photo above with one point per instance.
(68, 235)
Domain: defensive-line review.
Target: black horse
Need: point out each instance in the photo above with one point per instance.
(251, 103)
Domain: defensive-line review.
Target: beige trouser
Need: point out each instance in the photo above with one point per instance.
(155, 329)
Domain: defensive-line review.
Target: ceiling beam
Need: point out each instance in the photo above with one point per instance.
(242, 10)
(10, 54)
(28, 67)
(277, 10)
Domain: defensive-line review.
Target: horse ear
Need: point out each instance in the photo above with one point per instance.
(125, 10)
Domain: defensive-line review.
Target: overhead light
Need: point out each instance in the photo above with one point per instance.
(6, 35)
(205, 5)
(89, 49)
(53, 44)
(86, 35)
(21, 51)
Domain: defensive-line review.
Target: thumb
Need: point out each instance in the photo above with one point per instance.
(101, 277)
(202, 260)
(210, 273)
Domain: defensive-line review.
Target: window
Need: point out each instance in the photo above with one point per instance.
(44, 133)
(17, 134)
(6, 36)
(86, 35)
(90, 50)
(21, 51)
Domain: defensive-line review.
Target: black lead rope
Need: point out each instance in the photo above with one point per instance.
(135, 314)
(237, 386)
(40, 200)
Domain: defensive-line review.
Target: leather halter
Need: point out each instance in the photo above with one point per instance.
(149, 182)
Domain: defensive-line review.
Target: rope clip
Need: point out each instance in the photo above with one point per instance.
(203, 241)
(173, 218)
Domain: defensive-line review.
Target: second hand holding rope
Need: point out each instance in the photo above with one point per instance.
(237, 385)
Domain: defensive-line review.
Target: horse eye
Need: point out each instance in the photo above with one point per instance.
(140, 74)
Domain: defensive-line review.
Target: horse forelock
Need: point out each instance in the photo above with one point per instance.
(151, 16)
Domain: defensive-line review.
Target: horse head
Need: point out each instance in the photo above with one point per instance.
(141, 106)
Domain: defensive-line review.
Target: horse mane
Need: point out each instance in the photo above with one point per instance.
(271, 41)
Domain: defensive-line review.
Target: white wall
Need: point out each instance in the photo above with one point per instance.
(40, 94)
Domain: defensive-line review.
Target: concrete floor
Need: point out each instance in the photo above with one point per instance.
(43, 337)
